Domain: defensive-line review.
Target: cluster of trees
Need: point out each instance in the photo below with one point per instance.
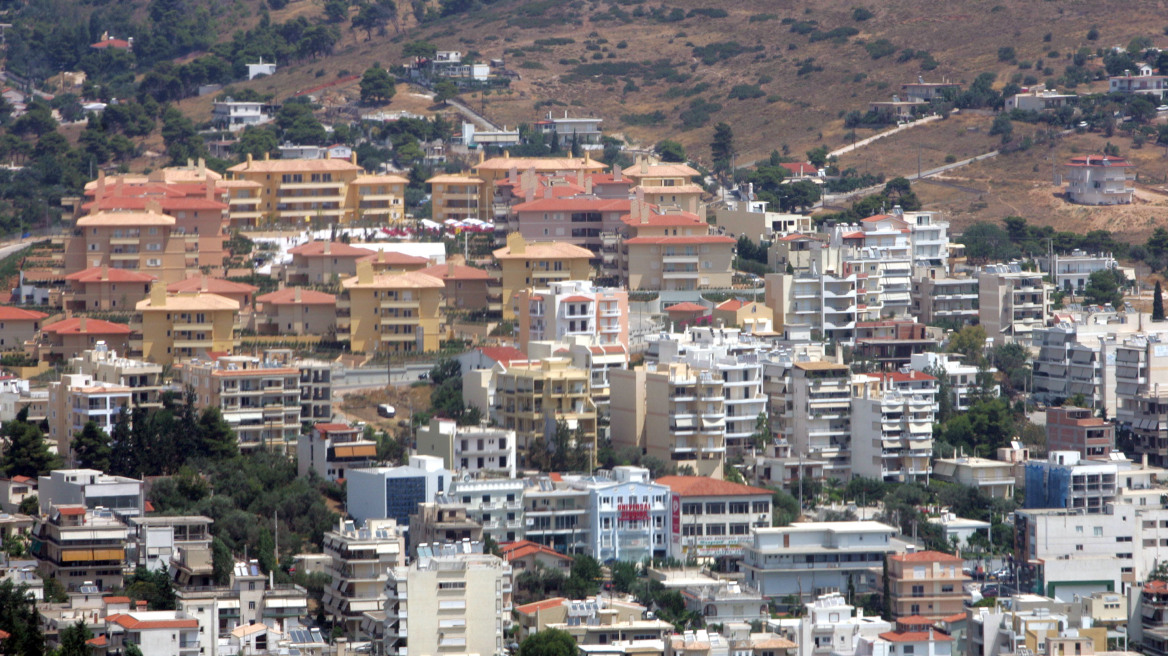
(583, 580)
(770, 185)
(897, 191)
(446, 396)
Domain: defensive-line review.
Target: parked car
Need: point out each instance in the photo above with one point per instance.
(386, 410)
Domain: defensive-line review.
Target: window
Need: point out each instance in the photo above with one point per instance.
(1098, 531)
(739, 507)
(716, 508)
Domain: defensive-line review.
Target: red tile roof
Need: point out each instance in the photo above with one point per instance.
(956, 617)
(1156, 586)
(853, 235)
(800, 168)
(99, 641)
(526, 548)
(168, 204)
(121, 44)
(686, 307)
(704, 486)
(573, 205)
(92, 327)
(914, 620)
(537, 606)
(926, 557)
(211, 285)
(579, 299)
(461, 272)
(901, 377)
(915, 636)
(1098, 160)
(392, 258)
(100, 274)
(131, 622)
(731, 305)
(8, 313)
(71, 511)
(670, 219)
(287, 296)
(333, 428)
(699, 239)
(794, 236)
(115, 600)
(336, 249)
(503, 354)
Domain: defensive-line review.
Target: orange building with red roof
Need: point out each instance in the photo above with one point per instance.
(321, 261)
(466, 286)
(925, 584)
(65, 339)
(296, 311)
(18, 326)
(102, 288)
(672, 250)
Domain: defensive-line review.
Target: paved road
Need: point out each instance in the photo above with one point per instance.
(829, 199)
(375, 377)
(10, 248)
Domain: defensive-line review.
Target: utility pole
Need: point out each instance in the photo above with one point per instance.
(276, 519)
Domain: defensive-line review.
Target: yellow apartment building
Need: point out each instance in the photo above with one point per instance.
(458, 197)
(243, 201)
(138, 241)
(315, 191)
(183, 326)
(537, 265)
(296, 311)
(673, 250)
(531, 397)
(390, 313)
(667, 185)
(319, 261)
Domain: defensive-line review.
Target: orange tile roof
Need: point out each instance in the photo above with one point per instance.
(336, 249)
(537, 606)
(502, 353)
(125, 219)
(578, 299)
(1098, 160)
(168, 204)
(99, 641)
(99, 274)
(686, 306)
(732, 305)
(531, 548)
(131, 622)
(8, 313)
(926, 557)
(115, 600)
(914, 620)
(915, 636)
(669, 219)
(92, 327)
(461, 272)
(800, 168)
(698, 239)
(956, 617)
(295, 165)
(71, 511)
(211, 285)
(704, 486)
(287, 296)
(574, 205)
(333, 428)
(405, 280)
(901, 377)
(393, 258)
(547, 164)
(545, 250)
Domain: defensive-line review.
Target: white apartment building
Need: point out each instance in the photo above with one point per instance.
(495, 503)
(813, 413)
(92, 489)
(1069, 362)
(556, 514)
(160, 632)
(361, 559)
(1141, 391)
(574, 308)
(1012, 303)
(716, 517)
(930, 239)
(810, 559)
(1070, 272)
(470, 450)
(331, 450)
(104, 365)
(892, 427)
(630, 516)
(79, 399)
(993, 478)
(1074, 553)
(941, 298)
(824, 302)
(1100, 180)
(453, 599)
(237, 115)
(830, 624)
(259, 398)
(963, 378)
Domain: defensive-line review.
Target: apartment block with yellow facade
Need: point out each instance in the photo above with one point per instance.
(458, 196)
(138, 241)
(537, 265)
(667, 185)
(259, 398)
(316, 191)
(243, 202)
(320, 261)
(390, 313)
(179, 327)
(532, 397)
(673, 250)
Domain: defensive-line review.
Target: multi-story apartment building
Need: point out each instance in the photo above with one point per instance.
(19, 326)
(101, 288)
(437, 522)
(1066, 480)
(578, 220)
(1070, 272)
(716, 517)
(892, 427)
(1145, 83)
(1078, 429)
(154, 540)
(162, 632)
(993, 478)
(78, 546)
(68, 338)
(331, 450)
(78, 399)
(926, 584)
(320, 262)
(1100, 180)
(556, 514)
(814, 415)
(942, 298)
(823, 302)
(964, 379)
(930, 238)
(258, 398)
(395, 492)
(809, 559)
(296, 311)
(672, 250)
(674, 412)
(533, 397)
(139, 241)
(391, 313)
(459, 197)
(538, 265)
(496, 171)
(472, 450)
(467, 287)
(316, 389)
(143, 378)
(574, 308)
(179, 327)
(830, 623)
(1012, 303)
(361, 559)
(630, 517)
(452, 599)
(1141, 391)
(320, 191)
(91, 489)
(667, 185)
(496, 504)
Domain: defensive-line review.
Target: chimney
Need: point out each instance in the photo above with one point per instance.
(529, 194)
(202, 167)
(297, 295)
(267, 156)
(482, 156)
(506, 154)
(547, 191)
(513, 175)
(158, 295)
(100, 191)
(105, 272)
(141, 604)
(450, 267)
(644, 212)
(365, 272)
(248, 161)
(81, 324)
(328, 247)
(644, 165)
(588, 186)
(153, 206)
(210, 188)
(616, 173)
(580, 178)
(353, 157)
(516, 244)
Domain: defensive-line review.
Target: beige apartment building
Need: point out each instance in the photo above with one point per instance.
(260, 399)
(675, 413)
(531, 398)
(18, 326)
(100, 288)
(667, 185)
(537, 265)
(178, 327)
(466, 286)
(105, 365)
(321, 261)
(320, 192)
(390, 313)
(360, 560)
(296, 311)
(497, 171)
(138, 241)
(814, 415)
(68, 338)
(80, 546)
(673, 250)
(78, 399)
(240, 292)
(926, 584)
(1012, 303)
(243, 202)
(458, 197)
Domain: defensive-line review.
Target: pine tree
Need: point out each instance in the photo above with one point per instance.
(91, 448)
(123, 456)
(27, 453)
(18, 617)
(73, 640)
(216, 439)
(1158, 303)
